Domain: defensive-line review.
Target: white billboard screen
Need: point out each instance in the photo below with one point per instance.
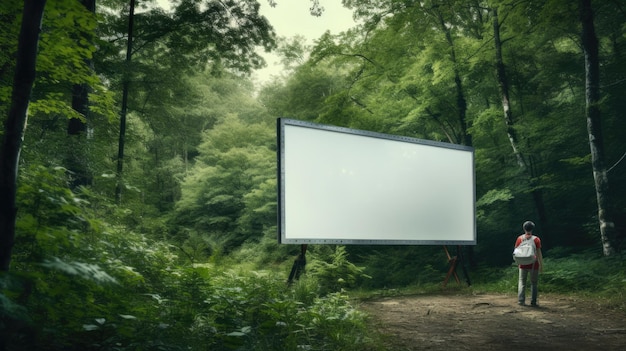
(345, 186)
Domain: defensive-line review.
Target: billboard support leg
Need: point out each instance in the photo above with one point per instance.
(452, 261)
(298, 265)
(459, 253)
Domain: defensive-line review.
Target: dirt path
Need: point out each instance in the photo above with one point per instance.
(495, 322)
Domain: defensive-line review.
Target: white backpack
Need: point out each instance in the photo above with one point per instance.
(526, 252)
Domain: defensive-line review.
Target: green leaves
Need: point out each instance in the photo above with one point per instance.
(80, 269)
(221, 194)
(493, 196)
(65, 43)
(253, 311)
(335, 272)
(204, 34)
(9, 309)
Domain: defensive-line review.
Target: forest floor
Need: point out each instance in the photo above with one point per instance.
(495, 322)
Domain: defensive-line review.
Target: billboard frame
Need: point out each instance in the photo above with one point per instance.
(284, 238)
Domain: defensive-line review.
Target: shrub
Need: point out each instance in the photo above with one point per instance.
(333, 271)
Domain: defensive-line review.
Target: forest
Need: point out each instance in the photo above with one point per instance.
(138, 171)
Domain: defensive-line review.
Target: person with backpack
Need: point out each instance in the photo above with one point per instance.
(528, 256)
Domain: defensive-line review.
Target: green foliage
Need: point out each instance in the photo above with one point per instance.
(583, 274)
(230, 192)
(397, 266)
(493, 196)
(333, 271)
(257, 311)
(82, 270)
(266, 252)
(490, 200)
(9, 309)
(302, 94)
(92, 285)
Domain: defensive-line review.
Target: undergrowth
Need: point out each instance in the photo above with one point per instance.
(589, 276)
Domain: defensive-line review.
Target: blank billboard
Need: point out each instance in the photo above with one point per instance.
(345, 186)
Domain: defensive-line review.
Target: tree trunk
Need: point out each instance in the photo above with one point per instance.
(594, 129)
(16, 123)
(503, 85)
(464, 137)
(76, 128)
(125, 87)
(461, 103)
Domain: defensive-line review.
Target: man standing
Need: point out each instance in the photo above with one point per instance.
(532, 268)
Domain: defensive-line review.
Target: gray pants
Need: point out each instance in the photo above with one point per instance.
(521, 285)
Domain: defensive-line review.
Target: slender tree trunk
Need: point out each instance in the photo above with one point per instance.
(125, 87)
(77, 128)
(461, 102)
(464, 137)
(16, 123)
(80, 102)
(503, 85)
(594, 128)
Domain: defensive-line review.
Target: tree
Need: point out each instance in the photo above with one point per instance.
(123, 114)
(503, 84)
(77, 127)
(402, 79)
(593, 115)
(407, 65)
(15, 124)
(223, 192)
(197, 35)
(174, 131)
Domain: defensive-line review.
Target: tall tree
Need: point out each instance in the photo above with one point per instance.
(406, 66)
(123, 114)
(16, 123)
(461, 102)
(593, 115)
(76, 127)
(196, 35)
(503, 84)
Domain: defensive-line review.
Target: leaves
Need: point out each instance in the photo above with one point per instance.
(493, 196)
(236, 162)
(336, 272)
(10, 309)
(80, 269)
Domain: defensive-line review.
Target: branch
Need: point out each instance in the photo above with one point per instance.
(617, 163)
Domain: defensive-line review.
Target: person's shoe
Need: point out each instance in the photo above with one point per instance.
(521, 303)
(534, 304)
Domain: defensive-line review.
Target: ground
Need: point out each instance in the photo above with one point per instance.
(451, 321)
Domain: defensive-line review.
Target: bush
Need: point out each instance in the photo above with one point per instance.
(333, 271)
(586, 273)
(258, 311)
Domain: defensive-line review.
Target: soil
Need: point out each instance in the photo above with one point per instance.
(495, 322)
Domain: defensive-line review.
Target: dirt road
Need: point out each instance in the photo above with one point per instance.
(495, 322)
